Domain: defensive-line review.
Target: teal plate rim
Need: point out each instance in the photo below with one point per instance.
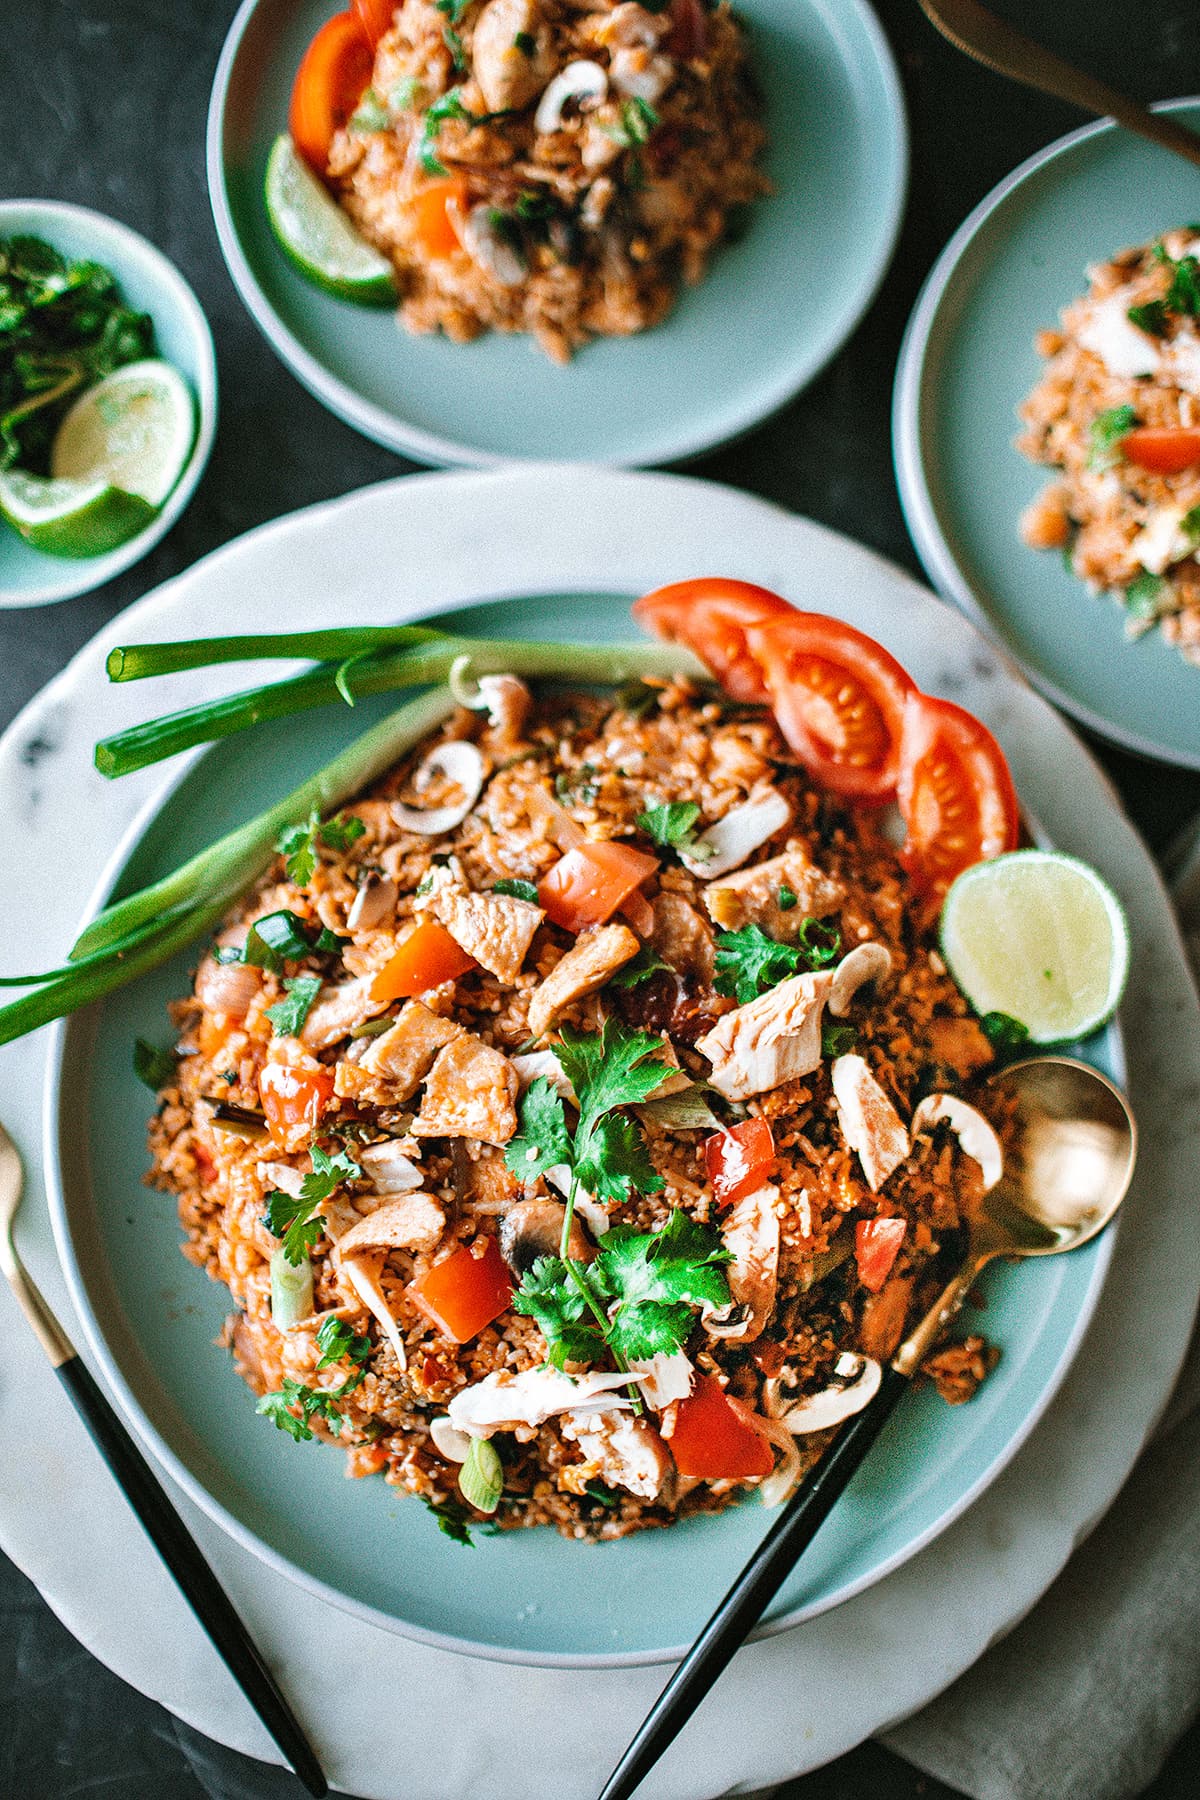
(188, 1459)
(913, 457)
(852, 29)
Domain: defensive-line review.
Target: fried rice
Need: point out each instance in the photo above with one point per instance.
(1127, 356)
(809, 1323)
(555, 167)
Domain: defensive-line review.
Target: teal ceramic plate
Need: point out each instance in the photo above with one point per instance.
(526, 1595)
(29, 577)
(967, 363)
(773, 308)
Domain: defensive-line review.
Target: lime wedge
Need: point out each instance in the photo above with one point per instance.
(134, 430)
(71, 518)
(1038, 936)
(318, 236)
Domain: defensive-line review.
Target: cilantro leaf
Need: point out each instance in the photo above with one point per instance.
(1183, 295)
(614, 1158)
(453, 1518)
(821, 944)
(550, 1296)
(1107, 430)
(1143, 594)
(341, 832)
(335, 1339)
(516, 890)
(291, 1218)
(328, 1173)
(297, 846)
(313, 1403)
(287, 1016)
(670, 824)
(154, 1066)
(787, 898)
(646, 963)
(837, 1038)
(749, 962)
(659, 1278)
(1152, 317)
(544, 1141)
(608, 1068)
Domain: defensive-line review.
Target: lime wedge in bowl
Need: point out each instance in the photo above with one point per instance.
(1039, 937)
(71, 518)
(134, 429)
(318, 236)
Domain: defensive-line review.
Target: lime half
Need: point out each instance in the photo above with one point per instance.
(1040, 937)
(71, 518)
(318, 236)
(134, 430)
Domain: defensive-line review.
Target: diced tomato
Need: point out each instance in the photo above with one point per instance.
(374, 18)
(839, 699)
(467, 1291)
(294, 1094)
(433, 207)
(333, 74)
(739, 1161)
(1163, 450)
(587, 885)
(427, 957)
(876, 1246)
(689, 30)
(955, 792)
(714, 1439)
(711, 616)
(206, 1168)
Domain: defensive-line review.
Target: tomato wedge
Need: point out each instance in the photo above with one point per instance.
(467, 1291)
(739, 1161)
(1163, 450)
(588, 884)
(876, 1246)
(294, 1094)
(711, 617)
(839, 699)
(955, 792)
(427, 957)
(432, 208)
(374, 18)
(712, 1437)
(333, 73)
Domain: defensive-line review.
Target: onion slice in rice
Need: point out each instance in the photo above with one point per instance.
(459, 762)
(780, 1484)
(362, 1272)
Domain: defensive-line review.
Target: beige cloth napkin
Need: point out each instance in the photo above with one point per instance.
(1085, 1699)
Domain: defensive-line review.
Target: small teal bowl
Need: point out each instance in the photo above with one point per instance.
(29, 577)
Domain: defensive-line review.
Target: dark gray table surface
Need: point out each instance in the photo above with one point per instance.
(103, 102)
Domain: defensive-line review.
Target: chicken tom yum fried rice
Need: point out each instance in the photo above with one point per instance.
(577, 1117)
(550, 166)
(1117, 413)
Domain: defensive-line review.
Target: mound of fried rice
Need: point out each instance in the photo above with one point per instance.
(572, 211)
(560, 769)
(1125, 530)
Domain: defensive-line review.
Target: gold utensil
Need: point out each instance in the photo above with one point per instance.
(162, 1524)
(1076, 1145)
(1000, 47)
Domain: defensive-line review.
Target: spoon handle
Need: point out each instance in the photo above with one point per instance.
(754, 1588)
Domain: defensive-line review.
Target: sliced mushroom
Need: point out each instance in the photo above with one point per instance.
(533, 1228)
(455, 761)
(732, 1321)
(488, 247)
(819, 1412)
(582, 83)
(866, 962)
(449, 1442)
(976, 1138)
(726, 845)
(374, 902)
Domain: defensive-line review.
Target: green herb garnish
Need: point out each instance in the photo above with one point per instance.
(287, 1016)
(1143, 595)
(298, 844)
(370, 114)
(749, 962)
(154, 1066)
(313, 1403)
(525, 43)
(516, 890)
(454, 44)
(836, 1038)
(294, 1219)
(670, 824)
(787, 898)
(1003, 1032)
(453, 1518)
(336, 1340)
(579, 787)
(1151, 317)
(1107, 430)
(1183, 295)
(646, 963)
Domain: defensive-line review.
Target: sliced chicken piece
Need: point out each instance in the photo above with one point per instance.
(770, 1040)
(389, 1169)
(337, 1010)
(409, 1222)
(664, 1377)
(495, 929)
(870, 1123)
(678, 1080)
(681, 937)
(511, 53)
(751, 1234)
(595, 956)
(751, 897)
(469, 1093)
(402, 1057)
(621, 1451)
(543, 1065)
(505, 1402)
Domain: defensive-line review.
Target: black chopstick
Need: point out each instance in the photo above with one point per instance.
(746, 1600)
(192, 1574)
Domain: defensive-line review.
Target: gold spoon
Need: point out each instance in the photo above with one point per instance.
(1077, 1142)
(162, 1524)
(999, 46)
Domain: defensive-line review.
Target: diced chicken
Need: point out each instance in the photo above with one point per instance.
(959, 1044)
(511, 54)
(744, 829)
(630, 23)
(337, 1010)
(496, 929)
(664, 1377)
(389, 1169)
(403, 1056)
(409, 1222)
(621, 1451)
(469, 1093)
(869, 1122)
(505, 1402)
(773, 1039)
(282, 1176)
(362, 1274)
(543, 1065)
(885, 1316)
(751, 1235)
(595, 956)
(681, 937)
(751, 897)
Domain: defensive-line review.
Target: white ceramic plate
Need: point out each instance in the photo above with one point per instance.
(796, 1690)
